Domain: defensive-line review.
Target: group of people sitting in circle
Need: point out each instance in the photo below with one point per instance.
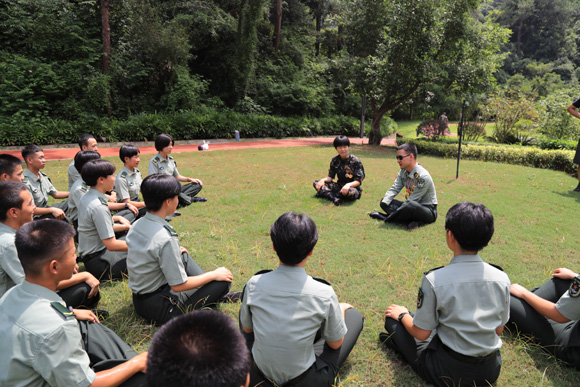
(292, 329)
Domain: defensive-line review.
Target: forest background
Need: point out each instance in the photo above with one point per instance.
(127, 70)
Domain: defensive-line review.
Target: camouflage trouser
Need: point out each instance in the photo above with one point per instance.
(334, 188)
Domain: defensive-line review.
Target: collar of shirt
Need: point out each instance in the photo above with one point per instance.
(465, 258)
(156, 219)
(41, 291)
(98, 194)
(4, 229)
(129, 173)
(291, 269)
(30, 175)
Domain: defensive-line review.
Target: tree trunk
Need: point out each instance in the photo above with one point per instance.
(375, 135)
(278, 25)
(318, 17)
(106, 33)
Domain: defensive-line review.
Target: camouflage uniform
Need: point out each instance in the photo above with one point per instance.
(346, 171)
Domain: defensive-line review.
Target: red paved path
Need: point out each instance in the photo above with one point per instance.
(105, 151)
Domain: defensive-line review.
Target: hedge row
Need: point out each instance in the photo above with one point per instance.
(203, 124)
(559, 160)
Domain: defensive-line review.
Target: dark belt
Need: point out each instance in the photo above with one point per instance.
(290, 382)
(147, 295)
(88, 257)
(468, 359)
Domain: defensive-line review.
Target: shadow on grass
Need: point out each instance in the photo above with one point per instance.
(569, 194)
(554, 369)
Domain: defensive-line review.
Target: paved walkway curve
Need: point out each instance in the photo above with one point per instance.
(106, 151)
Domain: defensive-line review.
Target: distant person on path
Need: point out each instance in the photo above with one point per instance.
(444, 118)
(573, 109)
(200, 349)
(40, 186)
(298, 332)
(164, 163)
(11, 168)
(452, 339)
(350, 174)
(550, 314)
(420, 207)
(165, 280)
(86, 142)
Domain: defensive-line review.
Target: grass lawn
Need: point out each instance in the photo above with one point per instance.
(369, 263)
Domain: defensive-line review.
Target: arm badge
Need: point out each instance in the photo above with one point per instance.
(574, 290)
(420, 296)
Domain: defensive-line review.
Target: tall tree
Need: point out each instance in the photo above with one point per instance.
(396, 47)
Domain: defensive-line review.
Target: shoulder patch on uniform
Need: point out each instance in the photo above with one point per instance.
(63, 310)
(420, 183)
(123, 174)
(498, 267)
(430, 270)
(170, 230)
(574, 290)
(420, 296)
(103, 201)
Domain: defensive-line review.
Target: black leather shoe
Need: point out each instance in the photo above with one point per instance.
(577, 189)
(414, 225)
(378, 216)
(337, 202)
(231, 297)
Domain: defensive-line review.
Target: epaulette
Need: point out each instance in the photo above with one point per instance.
(26, 179)
(322, 281)
(430, 270)
(42, 173)
(103, 200)
(170, 230)
(123, 174)
(156, 159)
(84, 185)
(496, 266)
(136, 170)
(169, 157)
(63, 310)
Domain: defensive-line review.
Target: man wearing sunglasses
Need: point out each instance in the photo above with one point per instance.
(420, 207)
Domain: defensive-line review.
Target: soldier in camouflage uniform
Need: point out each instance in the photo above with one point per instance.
(349, 171)
(420, 207)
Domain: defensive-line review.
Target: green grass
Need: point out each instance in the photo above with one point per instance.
(369, 263)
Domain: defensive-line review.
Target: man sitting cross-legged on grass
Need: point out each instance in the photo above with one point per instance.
(16, 209)
(294, 325)
(128, 182)
(420, 206)
(45, 343)
(165, 280)
(550, 314)
(104, 255)
(164, 163)
(453, 337)
(199, 349)
(40, 186)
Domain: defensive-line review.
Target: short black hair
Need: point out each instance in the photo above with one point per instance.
(128, 150)
(94, 169)
(10, 194)
(83, 157)
(199, 349)
(409, 148)
(8, 163)
(41, 241)
(294, 237)
(162, 141)
(30, 150)
(341, 141)
(84, 140)
(471, 225)
(158, 188)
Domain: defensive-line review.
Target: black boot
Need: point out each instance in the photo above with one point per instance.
(334, 199)
(577, 189)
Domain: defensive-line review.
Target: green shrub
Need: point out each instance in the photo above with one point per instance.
(559, 160)
(554, 143)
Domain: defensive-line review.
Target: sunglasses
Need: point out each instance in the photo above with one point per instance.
(402, 157)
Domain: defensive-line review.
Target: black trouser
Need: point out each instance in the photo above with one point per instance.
(62, 205)
(560, 339)
(107, 265)
(162, 305)
(328, 361)
(440, 365)
(409, 211)
(334, 189)
(106, 350)
(188, 191)
(130, 215)
(77, 296)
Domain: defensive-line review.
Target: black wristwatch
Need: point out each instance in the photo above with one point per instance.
(126, 205)
(401, 316)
